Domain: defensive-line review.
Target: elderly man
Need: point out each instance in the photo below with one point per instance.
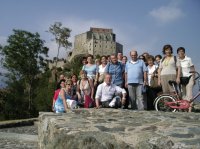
(106, 94)
(135, 78)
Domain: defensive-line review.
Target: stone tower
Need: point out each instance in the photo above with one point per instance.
(97, 41)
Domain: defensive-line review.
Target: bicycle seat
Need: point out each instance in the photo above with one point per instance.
(171, 82)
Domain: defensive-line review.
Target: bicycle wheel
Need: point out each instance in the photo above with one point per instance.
(160, 103)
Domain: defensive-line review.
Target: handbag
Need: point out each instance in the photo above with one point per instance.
(89, 103)
(154, 79)
(185, 80)
(154, 82)
(71, 103)
(101, 78)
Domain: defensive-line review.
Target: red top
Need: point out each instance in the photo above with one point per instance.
(56, 94)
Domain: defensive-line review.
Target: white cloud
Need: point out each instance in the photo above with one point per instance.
(167, 14)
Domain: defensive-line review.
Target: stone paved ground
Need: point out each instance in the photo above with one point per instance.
(119, 129)
(19, 138)
(14, 144)
(31, 130)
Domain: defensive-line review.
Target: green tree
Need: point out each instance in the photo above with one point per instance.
(15, 101)
(61, 35)
(44, 92)
(23, 57)
(76, 65)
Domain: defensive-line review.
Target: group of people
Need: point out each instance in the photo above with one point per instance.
(116, 82)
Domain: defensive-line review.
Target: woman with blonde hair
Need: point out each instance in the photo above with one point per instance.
(85, 90)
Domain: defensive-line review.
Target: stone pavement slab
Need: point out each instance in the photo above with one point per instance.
(114, 128)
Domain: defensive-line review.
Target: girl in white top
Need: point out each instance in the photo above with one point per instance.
(101, 69)
(151, 68)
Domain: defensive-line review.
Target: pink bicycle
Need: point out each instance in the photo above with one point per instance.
(170, 103)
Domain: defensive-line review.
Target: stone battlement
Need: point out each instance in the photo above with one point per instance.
(101, 30)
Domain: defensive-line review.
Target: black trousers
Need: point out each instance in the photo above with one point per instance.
(105, 104)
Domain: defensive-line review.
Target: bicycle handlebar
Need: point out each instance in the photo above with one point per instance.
(195, 72)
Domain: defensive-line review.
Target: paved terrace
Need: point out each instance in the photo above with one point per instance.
(19, 134)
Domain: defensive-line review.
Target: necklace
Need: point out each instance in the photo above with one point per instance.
(166, 61)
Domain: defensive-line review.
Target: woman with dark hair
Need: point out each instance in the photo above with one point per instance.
(101, 70)
(151, 68)
(60, 85)
(124, 60)
(169, 69)
(64, 101)
(74, 79)
(90, 68)
(152, 76)
(146, 55)
(187, 78)
(158, 59)
(84, 61)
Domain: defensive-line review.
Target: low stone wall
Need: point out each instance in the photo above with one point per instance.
(118, 129)
(17, 123)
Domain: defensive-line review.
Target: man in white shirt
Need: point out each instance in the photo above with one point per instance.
(106, 94)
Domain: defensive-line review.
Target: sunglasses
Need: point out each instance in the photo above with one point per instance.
(69, 84)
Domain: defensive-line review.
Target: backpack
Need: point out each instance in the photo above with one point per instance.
(154, 80)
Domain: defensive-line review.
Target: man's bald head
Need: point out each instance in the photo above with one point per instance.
(134, 55)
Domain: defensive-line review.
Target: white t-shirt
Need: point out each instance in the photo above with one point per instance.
(150, 72)
(101, 69)
(185, 63)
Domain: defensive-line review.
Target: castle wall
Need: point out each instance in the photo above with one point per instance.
(97, 41)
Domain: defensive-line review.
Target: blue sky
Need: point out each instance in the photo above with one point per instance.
(145, 25)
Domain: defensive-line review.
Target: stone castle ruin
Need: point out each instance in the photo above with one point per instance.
(96, 41)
